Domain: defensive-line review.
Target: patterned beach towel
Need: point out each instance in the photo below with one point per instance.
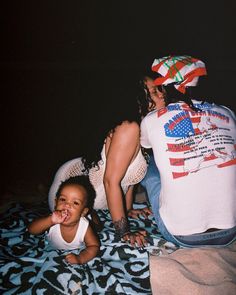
(28, 265)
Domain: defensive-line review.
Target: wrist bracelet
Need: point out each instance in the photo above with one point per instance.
(121, 227)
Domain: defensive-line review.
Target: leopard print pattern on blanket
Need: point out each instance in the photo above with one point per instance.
(28, 265)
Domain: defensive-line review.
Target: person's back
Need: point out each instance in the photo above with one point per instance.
(195, 153)
(194, 146)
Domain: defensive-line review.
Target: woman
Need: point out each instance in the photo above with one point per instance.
(114, 171)
(151, 98)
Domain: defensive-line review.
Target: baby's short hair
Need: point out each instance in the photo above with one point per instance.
(84, 181)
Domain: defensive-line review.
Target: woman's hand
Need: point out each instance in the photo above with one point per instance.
(135, 213)
(136, 238)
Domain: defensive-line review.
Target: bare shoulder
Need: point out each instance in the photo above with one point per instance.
(124, 137)
(127, 128)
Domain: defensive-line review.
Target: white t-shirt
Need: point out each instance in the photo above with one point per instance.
(56, 240)
(196, 155)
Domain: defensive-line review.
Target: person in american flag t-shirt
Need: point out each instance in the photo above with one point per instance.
(194, 147)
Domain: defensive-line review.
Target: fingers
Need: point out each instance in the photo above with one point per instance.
(58, 216)
(71, 258)
(148, 211)
(133, 214)
(136, 239)
(145, 212)
(64, 214)
(140, 240)
(143, 232)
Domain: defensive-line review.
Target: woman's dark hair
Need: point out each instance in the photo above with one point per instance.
(83, 181)
(172, 95)
(115, 102)
(143, 96)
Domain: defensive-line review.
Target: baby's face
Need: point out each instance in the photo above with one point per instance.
(72, 201)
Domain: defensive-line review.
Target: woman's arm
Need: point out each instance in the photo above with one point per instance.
(129, 198)
(135, 213)
(92, 249)
(123, 148)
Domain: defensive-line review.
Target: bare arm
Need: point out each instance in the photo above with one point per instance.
(40, 225)
(129, 198)
(119, 156)
(135, 213)
(92, 249)
(123, 148)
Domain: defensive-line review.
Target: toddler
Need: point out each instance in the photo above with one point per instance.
(67, 227)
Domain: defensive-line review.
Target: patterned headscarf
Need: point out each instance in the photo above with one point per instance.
(182, 70)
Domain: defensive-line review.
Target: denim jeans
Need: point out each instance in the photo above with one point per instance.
(152, 184)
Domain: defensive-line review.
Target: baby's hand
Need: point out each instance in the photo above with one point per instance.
(58, 216)
(72, 258)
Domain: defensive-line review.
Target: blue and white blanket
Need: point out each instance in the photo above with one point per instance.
(28, 265)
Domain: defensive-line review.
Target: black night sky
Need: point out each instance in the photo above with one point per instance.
(54, 53)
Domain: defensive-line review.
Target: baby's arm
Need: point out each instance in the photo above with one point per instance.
(92, 248)
(40, 225)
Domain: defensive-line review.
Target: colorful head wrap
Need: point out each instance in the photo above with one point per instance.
(182, 70)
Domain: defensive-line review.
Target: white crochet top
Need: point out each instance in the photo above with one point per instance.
(69, 169)
(134, 174)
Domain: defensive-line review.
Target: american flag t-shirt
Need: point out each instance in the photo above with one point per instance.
(180, 126)
(194, 142)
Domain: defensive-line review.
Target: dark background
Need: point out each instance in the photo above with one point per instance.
(55, 53)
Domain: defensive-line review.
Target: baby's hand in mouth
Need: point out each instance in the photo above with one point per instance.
(59, 216)
(65, 214)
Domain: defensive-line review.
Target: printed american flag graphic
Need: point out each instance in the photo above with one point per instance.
(192, 146)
